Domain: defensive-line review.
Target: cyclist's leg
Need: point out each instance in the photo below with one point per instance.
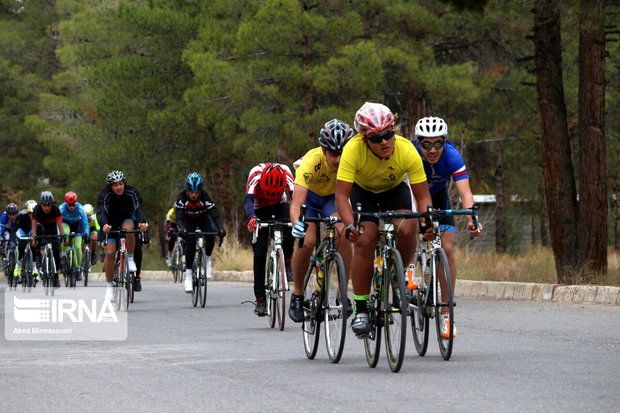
(209, 245)
(63, 248)
(108, 262)
(130, 239)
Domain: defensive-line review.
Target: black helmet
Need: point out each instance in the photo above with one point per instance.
(334, 134)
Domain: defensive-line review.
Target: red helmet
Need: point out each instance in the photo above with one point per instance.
(373, 118)
(71, 197)
(273, 181)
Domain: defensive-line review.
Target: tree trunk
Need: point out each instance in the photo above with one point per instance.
(559, 180)
(592, 151)
(501, 238)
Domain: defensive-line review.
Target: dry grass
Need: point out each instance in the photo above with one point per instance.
(535, 264)
(232, 256)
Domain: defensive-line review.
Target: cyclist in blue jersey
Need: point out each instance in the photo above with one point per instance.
(74, 220)
(442, 162)
(7, 221)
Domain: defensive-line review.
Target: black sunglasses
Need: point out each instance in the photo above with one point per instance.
(380, 138)
(428, 145)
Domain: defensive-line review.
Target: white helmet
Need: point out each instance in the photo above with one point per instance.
(431, 127)
(89, 210)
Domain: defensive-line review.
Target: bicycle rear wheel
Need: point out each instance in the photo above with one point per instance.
(441, 269)
(395, 315)
(417, 307)
(335, 307)
(311, 326)
(280, 290)
(372, 343)
(202, 280)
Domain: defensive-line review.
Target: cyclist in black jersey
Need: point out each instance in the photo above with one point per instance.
(119, 206)
(194, 209)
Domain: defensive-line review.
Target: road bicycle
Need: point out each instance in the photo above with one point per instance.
(9, 259)
(199, 267)
(48, 264)
(123, 278)
(177, 261)
(70, 268)
(276, 284)
(429, 281)
(387, 307)
(325, 292)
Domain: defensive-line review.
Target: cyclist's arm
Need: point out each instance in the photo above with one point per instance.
(102, 209)
(248, 205)
(214, 213)
(467, 200)
(343, 206)
(61, 229)
(85, 225)
(299, 197)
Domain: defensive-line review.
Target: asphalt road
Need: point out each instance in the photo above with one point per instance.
(508, 357)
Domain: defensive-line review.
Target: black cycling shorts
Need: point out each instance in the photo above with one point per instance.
(398, 198)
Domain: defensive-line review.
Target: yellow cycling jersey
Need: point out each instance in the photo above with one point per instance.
(171, 216)
(315, 174)
(359, 165)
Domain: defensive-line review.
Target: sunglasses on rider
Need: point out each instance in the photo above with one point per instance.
(380, 138)
(194, 192)
(428, 145)
(70, 205)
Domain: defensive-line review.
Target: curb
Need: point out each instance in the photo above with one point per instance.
(498, 290)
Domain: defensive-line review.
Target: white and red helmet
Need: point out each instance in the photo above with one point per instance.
(373, 118)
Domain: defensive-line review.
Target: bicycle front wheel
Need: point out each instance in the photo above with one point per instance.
(176, 265)
(395, 314)
(130, 291)
(86, 265)
(372, 343)
(202, 280)
(313, 298)
(444, 308)
(417, 307)
(270, 277)
(335, 307)
(196, 279)
(280, 289)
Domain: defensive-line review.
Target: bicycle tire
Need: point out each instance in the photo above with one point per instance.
(311, 326)
(335, 307)
(66, 269)
(372, 343)
(195, 280)
(445, 344)
(270, 274)
(176, 265)
(27, 271)
(44, 276)
(86, 265)
(11, 262)
(130, 290)
(280, 290)
(395, 314)
(51, 265)
(202, 280)
(419, 316)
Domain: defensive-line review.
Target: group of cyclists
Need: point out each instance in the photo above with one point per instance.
(368, 164)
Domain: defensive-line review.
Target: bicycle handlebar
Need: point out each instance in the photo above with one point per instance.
(330, 221)
(269, 223)
(202, 234)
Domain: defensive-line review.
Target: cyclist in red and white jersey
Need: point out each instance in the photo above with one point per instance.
(267, 195)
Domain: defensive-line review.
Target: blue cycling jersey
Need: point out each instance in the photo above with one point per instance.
(450, 165)
(75, 216)
(5, 223)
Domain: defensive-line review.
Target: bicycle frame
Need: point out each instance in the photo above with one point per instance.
(199, 273)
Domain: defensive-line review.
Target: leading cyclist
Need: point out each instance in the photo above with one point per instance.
(373, 170)
(119, 206)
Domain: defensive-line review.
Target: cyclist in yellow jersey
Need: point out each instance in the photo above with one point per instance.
(372, 171)
(171, 233)
(315, 185)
